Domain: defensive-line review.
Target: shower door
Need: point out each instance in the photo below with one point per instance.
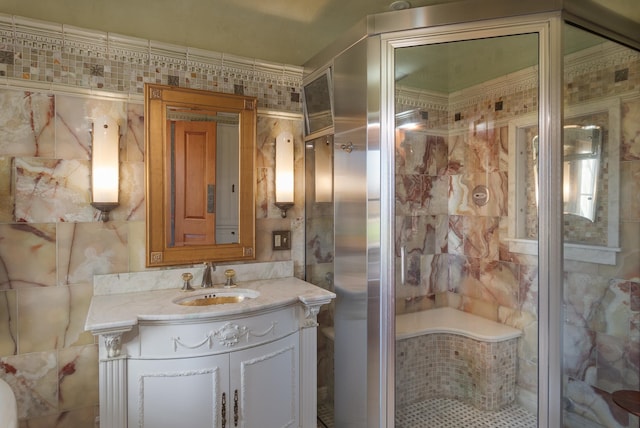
(601, 254)
(466, 273)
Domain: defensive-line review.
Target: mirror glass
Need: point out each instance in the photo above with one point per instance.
(200, 203)
(581, 148)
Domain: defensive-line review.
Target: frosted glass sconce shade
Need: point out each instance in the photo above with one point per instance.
(284, 172)
(105, 174)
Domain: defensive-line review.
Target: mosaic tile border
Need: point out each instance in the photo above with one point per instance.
(38, 51)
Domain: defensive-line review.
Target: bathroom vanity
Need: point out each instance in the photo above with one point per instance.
(213, 357)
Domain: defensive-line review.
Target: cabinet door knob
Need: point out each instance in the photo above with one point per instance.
(235, 408)
(224, 410)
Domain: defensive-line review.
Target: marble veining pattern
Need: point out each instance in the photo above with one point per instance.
(483, 276)
(52, 244)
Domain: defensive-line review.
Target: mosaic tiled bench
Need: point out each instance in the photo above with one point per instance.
(447, 353)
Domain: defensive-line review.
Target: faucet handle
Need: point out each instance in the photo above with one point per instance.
(187, 277)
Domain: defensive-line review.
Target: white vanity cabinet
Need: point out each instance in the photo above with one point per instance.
(235, 373)
(250, 388)
(250, 364)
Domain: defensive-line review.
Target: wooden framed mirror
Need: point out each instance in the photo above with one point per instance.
(200, 186)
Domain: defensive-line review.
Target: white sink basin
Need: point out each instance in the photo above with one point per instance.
(217, 297)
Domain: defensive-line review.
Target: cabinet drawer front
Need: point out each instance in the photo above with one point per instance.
(207, 338)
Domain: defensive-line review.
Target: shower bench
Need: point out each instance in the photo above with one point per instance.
(447, 353)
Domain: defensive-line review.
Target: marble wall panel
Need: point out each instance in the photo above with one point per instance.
(28, 254)
(77, 368)
(132, 193)
(34, 380)
(87, 249)
(51, 242)
(50, 190)
(134, 135)
(52, 318)
(74, 418)
(8, 322)
(27, 123)
(6, 195)
(74, 122)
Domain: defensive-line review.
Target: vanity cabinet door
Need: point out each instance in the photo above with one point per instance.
(265, 385)
(183, 392)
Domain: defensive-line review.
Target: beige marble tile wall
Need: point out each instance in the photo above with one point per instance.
(457, 254)
(51, 242)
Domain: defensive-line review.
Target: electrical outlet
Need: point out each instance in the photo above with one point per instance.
(281, 240)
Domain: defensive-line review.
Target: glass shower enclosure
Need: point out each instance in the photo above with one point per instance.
(485, 219)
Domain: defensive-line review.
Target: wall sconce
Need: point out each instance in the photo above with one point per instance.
(323, 170)
(284, 172)
(105, 165)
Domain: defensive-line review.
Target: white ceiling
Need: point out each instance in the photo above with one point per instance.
(280, 31)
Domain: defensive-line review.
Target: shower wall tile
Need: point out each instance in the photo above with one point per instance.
(528, 288)
(602, 330)
(629, 189)
(590, 404)
(28, 253)
(630, 123)
(481, 237)
(617, 364)
(582, 298)
(612, 314)
(461, 191)
(421, 153)
(580, 355)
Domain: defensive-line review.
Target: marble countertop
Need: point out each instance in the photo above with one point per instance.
(124, 310)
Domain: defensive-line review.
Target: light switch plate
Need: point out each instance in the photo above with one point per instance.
(281, 240)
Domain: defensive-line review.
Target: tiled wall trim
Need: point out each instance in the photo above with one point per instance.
(56, 54)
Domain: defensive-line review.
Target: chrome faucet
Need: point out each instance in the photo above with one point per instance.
(207, 282)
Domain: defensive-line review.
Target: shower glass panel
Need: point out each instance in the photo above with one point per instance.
(456, 273)
(601, 331)
(319, 223)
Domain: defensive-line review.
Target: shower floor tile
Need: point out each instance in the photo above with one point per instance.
(447, 413)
